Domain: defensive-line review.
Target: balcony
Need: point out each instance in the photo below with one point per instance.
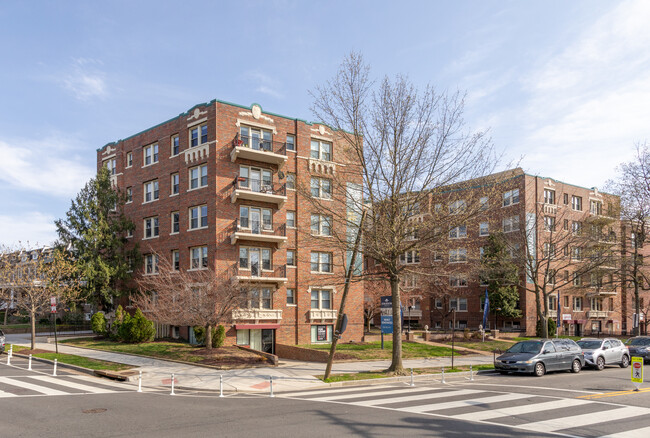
(257, 315)
(315, 314)
(596, 314)
(413, 314)
(257, 149)
(550, 209)
(256, 276)
(602, 291)
(250, 189)
(256, 231)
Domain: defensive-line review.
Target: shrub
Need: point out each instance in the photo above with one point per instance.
(552, 327)
(98, 323)
(466, 334)
(218, 335)
(73, 318)
(44, 321)
(136, 329)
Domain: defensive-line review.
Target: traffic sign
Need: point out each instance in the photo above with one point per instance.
(637, 371)
(52, 309)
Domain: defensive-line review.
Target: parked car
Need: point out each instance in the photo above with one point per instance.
(2, 342)
(606, 351)
(539, 356)
(639, 346)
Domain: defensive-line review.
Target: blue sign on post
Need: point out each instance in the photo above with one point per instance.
(387, 315)
(386, 324)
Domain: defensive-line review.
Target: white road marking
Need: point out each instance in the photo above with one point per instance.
(423, 397)
(42, 389)
(463, 403)
(327, 391)
(520, 410)
(635, 433)
(85, 388)
(7, 394)
(571, 422)
(372, 394)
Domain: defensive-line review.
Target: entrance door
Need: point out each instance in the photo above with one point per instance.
(578, 331)
(255, 220)
(267, 341)
(255, 262)
(256, 180)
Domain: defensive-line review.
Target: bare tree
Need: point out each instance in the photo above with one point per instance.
(402, 145)
(194, 298)
(633, 187)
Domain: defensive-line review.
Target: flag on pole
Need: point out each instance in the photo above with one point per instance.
(558, 308)
(486, 308)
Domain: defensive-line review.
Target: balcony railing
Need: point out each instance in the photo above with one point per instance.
(596, 314)
(415, 313)
(278, 276)
(257, 314)
(252, 189)
(257, 149)
(258, 231)
(321, 314)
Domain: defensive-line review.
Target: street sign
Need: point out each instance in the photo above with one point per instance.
(566, 317)
(52, 301)
(52, 309)
(386, 324)
(637, 371)
(386, 314)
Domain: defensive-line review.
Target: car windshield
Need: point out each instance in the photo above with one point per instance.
(640, 341)
(525, 347)
(589, 345)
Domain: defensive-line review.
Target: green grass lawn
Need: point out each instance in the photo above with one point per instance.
(372, 350)
(484, 346)
(163, 350)
(72, 359)
(416, 371)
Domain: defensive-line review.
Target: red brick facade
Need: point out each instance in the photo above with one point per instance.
(224, 151)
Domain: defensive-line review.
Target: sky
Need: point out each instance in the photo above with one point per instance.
(562, 86)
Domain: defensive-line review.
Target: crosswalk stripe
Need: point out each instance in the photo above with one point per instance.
(372, 394)
(423, 397)
(99, 381)
(520, 410)
(463, 403)
(328, 391)
(555, 424)
(635, 433)
(74, 385)
(38, 388)
(7, 394)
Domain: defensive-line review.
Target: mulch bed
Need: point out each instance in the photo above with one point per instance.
(34, 351)
(228, 357)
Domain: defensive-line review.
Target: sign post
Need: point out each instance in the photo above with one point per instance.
(53, 311)
(386, 317)
(637, 372)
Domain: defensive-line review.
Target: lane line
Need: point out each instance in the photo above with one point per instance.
(574, 421)
(463, 403)
(74, 385)
(38, 388)
(520, 410)
(614, 394)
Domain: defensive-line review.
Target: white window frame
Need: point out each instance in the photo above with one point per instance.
(460, 304)
(177, 215)
(176, 260)
(129, 195)
(457, 206)
(411, 257)
(458, 281)
(484, 203)
(458, 255)
(129, 160)
(511, 197)
(151, 188)
(151, 229)
(322, 222)
(484, 229)
(292, 143)
(199, 177)
(291, 181)
(459, 232)
(576, 203)
(291, 213)
(294, 260)
(509, 224)
(319, 152)
(150, 264)
(174, 141)
(578, 304)
(319, 187)
(549, 196)
(319, 292)
(150, 153)
(111, 165)
(293, 297)
(200, 217)
(201, 136)
(198, 254)
(173, 186)
(321, 257)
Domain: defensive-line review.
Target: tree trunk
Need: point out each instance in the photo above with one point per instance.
(6, 313)
(396, 364)
(32, 316)
(208, 336)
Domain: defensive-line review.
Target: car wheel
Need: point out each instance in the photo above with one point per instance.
(576, 366)
(600, 363)
(625, 361)
(540, 369)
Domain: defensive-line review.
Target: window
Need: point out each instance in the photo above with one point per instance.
(457, 255)
(291, 257)
(258, 139)
(576, 203)
(437, 303)
(511, 197)
(483, 281)
(437, 208)
(151, 191)
(410, 257)
(321, 262)
(199, 176)
(176, 260)
(550, 276)
(199, 257)
(437, 256)
(176, 217)
(129, 159)
(150, 154)
(129, 195)
(565, 226)
(111, 165)
(321, 333)
(175, 145)
(566, 301)
(291, 181)
(129, 233)
(549, 196)
(198, 217)
(458, 232)
(249, 258)
(174, 180)
(321, 299)
(596, 304)
(255, 219)
(577, 280)
(549, 223)
(460, 304)
(321, 150)
(410, 281)
(549, 250)
(291, 142)
(483, 203)
(321, 188)
(576, 253)
(150, 264)
(457, 281)
(484, 229)
(291, 219)
(321, 225)
(511, 224)
(256, 179)
(151, 227)
(596, 207)
(457, 207)
(576, 228)
(198, 135)
(259, 298)
(552, 302)
(566, 199)
(291, 297)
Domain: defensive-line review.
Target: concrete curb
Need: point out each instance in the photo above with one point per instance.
(58, 364)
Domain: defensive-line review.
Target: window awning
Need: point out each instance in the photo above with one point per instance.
(256, 326)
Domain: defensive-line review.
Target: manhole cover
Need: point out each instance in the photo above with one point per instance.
(94, 411)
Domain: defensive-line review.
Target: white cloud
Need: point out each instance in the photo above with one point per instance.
(265, 84)
(48, 166)
(85, 80)
(30, 229)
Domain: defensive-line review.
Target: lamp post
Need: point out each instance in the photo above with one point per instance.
(496, 319)
(453, 333)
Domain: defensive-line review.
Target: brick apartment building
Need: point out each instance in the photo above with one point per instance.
(215, 187)
(525, 208)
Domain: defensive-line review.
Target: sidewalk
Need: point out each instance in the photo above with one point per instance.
(289, 375)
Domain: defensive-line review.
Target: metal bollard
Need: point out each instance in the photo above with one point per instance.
(442, 379)
(11, 350)
(271, 386)
(471, 374)
(412, 383)
(172, 393)
(9, 358)
(140, 381)
(29, 364)
(54, 371)
(221, 386)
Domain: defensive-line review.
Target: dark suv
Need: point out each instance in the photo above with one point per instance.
(538, 356)
(2, 341)
(639, 346)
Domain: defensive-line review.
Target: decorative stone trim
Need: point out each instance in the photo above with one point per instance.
(197, 153)
(322, 167)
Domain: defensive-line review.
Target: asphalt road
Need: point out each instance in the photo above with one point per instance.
(458, 408)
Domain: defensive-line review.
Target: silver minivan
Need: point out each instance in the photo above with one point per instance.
(539, 356)
(606, 351)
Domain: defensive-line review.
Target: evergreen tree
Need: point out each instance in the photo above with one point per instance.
(95, 229)
(502, 275)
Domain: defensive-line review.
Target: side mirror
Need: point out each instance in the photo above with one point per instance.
(546, 351)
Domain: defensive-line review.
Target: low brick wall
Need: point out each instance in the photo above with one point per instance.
(272, 358)
(307, 354)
